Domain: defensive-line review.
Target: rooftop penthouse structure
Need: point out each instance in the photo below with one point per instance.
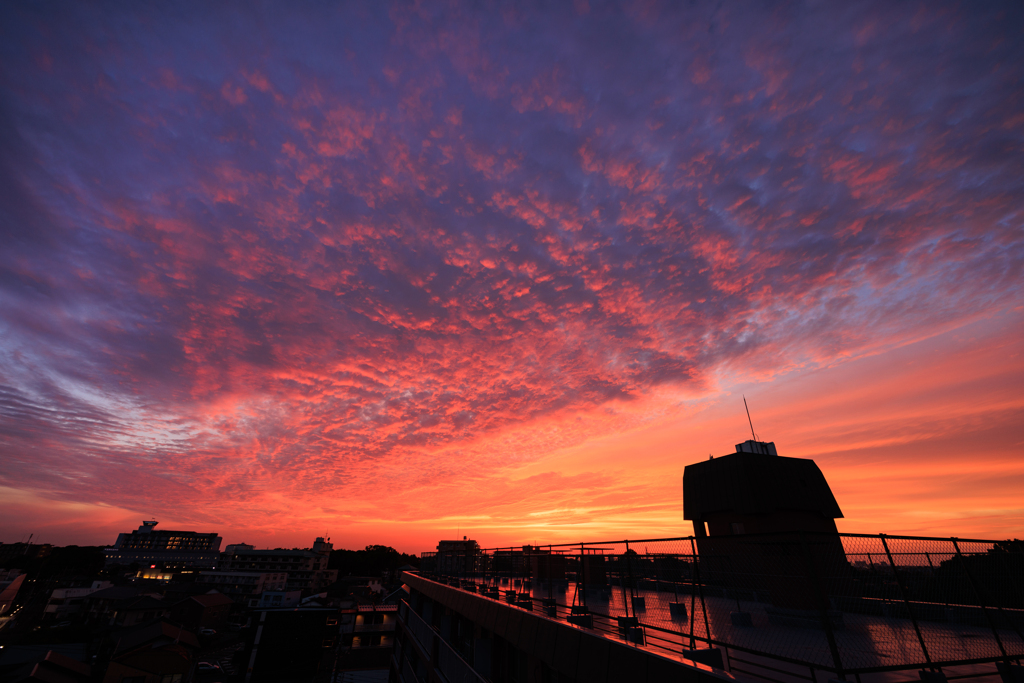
(755, 490)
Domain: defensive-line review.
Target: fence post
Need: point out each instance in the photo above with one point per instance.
(977, 593)
(622, 581)
(703, 605)
(693, 596)
(529, 569)
(1020, 594)
(826, 622)
(551, 576)
(906, 601)
(629, 568)
(582, 578)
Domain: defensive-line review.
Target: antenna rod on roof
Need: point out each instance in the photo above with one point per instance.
(748, 418)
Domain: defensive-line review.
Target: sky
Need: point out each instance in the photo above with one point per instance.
(398, 272)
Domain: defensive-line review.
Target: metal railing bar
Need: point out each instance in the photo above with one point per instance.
(800, 662)
(748, 536)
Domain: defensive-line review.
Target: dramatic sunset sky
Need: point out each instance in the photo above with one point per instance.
(397, 272)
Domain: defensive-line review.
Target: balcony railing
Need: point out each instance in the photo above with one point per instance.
(449, 663)
(390, 626)
(784, 604)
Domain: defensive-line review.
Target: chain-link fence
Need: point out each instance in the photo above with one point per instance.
(777, 606)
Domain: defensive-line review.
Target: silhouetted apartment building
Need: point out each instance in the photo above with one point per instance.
(152, 547)
(307, 569)
(457, 557)
(291, 644)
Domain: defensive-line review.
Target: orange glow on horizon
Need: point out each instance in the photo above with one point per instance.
(907, 463)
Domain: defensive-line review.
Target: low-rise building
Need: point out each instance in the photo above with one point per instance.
(203, 611)
(160, 652)
(54, 667)
(271, 599)
(242, 586)
(142, 609)
(102, 606)
(69, 603)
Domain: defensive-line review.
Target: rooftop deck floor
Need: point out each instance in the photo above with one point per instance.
(864, 641)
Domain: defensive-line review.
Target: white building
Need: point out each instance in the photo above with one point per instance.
(66, 603)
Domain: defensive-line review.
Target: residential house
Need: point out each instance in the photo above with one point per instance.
(203, 611)
(160, 652)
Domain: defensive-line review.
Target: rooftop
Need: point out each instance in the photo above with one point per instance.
(877, 607)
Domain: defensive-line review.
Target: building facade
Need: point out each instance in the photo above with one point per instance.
(164, 549)
(242, 586)
(457, 558)
(275, 599)
(367, 636)
(69, 603)
(307, 569)
(292, 644)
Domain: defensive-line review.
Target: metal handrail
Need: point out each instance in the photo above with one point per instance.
(362, 628)
(577, 544)
(449, 662)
